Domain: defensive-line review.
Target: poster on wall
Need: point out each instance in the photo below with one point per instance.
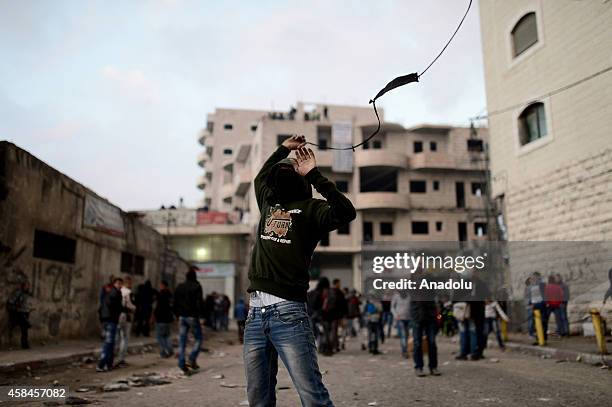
(342, 136)
(102, 216)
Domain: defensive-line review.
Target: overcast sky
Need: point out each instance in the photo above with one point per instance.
(113, 93)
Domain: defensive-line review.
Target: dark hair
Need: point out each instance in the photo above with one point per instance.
(191, 274)
(323, 283)
(164, 283)
(336, 281)
(117, 279)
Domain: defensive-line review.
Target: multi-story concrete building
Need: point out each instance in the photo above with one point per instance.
(426, 183)
(548, 71)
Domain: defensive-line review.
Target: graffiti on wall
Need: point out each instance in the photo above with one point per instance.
(57, 288)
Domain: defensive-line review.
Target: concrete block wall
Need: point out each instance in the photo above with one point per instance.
(34, 196)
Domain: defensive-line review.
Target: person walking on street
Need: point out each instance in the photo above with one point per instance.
(19, 308)
(163, 319)
(554, 295)
(110, 310)
(188, 307)
(144, 308)
(566, 298)
(493, 312)
(240, 315)
(400, 309)
(315, 310)
(291, 225)
(373, 316)
(124, 327)
(423, 313)
(352, 319)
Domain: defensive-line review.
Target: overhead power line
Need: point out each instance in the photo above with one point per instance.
(549, 94)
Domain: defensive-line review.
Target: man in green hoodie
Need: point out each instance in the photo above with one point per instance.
(291, 225)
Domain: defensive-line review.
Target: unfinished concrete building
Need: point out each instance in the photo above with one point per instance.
(425, 183)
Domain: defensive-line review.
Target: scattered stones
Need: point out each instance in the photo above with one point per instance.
(218, 376)
(373, 403)
(76, 401)
(494, 360)
(83, 389)
(244, 403)
(228, 385)
(116, 387)
(55, 382)
(87, 359)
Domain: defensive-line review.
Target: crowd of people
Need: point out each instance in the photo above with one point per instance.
(550, 297)
(123, 311)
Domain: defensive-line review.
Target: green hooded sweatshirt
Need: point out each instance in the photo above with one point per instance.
(289, 231)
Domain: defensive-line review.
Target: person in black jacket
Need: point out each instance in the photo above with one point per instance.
(163, 319)
(188, 307)
(111, 307)
(291, 225)
(423, 313)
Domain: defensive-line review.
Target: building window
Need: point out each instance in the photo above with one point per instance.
(420, 228)
(210, 126)
(475, 145)
(227, 151)
(126, 262)
(532, 123)
(342, 186)
(345, 229)
(480, 229)
(418, 146)
(477, 188)
(524, 34)
(132, 264)
(376, 144)
(282, 137)
(322, 144)
(253, 127)
(433, 146)
(438, 226)
(418, 187)
(378, 179)
(386, 229)
(436, 185)
(228, 126)
(54, 247)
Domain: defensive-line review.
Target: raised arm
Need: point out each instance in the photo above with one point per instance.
(262, 191)
(338, 210)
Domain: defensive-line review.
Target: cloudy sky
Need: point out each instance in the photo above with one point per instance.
(113, 93)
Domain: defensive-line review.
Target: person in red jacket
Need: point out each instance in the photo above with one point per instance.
(554, 296)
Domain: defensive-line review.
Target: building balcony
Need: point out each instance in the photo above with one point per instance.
(204, 136)
(380, 158)
(202, 182)
(202, 158)
(243, 153)
(382, 200)
(432, 160)
(227, 190)
(242, 180)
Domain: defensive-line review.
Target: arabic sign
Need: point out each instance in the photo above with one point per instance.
(102, 216)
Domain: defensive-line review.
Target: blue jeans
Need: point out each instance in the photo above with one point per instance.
(162, 330)
(559, 319)
(108, 347)
(429, 329)
(403, 331)
(186, 323)
(492, 324)
(284, 330)
(468, 340)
